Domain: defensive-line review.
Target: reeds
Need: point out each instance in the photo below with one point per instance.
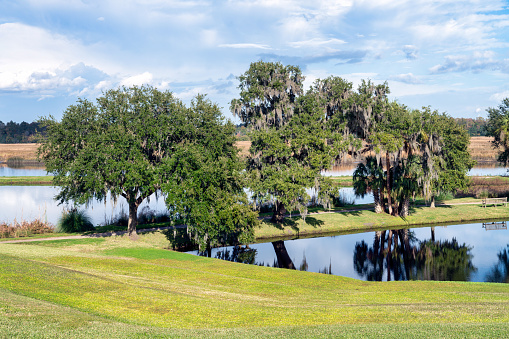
(25, 228)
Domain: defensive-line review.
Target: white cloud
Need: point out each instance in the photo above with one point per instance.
(316, 42)
(137, 80)
(498, 97)
(407, 78)
(35, 59)
(245, 45)
(476, 62)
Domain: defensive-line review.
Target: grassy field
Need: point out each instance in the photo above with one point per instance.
(23, 151)
(480, 148)
(117, 288)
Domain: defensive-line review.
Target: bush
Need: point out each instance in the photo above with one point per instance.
(343, 200)
(445, 196)
(74, 221)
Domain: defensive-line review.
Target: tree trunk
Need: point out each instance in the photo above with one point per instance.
(133, 219)
(283, 259)
(378, 204)
(388, 183)
(382, 242)
(279, 212)
(389, 255)
(405, 243)
(405, 208)
(432, 204)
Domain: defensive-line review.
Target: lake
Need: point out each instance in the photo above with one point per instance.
(31, 202)
(465, 252)
(22, 171)
(343, 170)
(487, 168)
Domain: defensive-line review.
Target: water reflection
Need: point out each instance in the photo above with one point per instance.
(456, 252)
(487, 168)
(31, 202)
(22, 171)
(500, 271)
(410, 259)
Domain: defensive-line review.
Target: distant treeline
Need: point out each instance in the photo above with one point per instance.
(475, 127)
(13, 132)
(241, 132)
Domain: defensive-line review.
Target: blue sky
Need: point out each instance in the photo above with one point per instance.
(449, 54)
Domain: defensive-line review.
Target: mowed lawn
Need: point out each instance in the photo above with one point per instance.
(116, 288)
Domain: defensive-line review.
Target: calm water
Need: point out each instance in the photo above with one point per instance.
(343, 170)
(30, 202)
(472, 256)
(479, 169)
(24, 171)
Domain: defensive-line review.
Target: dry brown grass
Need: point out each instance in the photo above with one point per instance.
(24, 151)
(25, 228)
(243, 147)
(481, 149)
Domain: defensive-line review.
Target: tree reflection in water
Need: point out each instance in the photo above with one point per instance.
(240, 254)
(398, 255)
(500, 271)
(247, 255)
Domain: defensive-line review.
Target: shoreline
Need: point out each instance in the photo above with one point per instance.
(338, 222)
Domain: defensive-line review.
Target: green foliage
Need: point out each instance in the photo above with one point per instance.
(117, 145)
(474, 127)
(206, 187)
(74, 221)
(290, 143)
(13, 132)
(498, 127)
(268, 93)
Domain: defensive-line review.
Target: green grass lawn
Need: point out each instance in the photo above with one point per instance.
(365, 220)
(115, 287)
(26, 181)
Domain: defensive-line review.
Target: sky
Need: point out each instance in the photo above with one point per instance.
(452, 55)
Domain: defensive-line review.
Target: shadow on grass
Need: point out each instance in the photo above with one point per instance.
(293, 223)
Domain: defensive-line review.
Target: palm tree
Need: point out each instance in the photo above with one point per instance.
(406, 182)
(367, 178)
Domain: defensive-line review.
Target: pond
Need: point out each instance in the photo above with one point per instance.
(467, 252)
(31, 202)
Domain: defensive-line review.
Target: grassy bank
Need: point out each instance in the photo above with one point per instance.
(117, 288)
(26, 181)
(365, 220)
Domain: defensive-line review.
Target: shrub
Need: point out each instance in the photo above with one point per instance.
(343, 200)
(445, 196)
(73, 221)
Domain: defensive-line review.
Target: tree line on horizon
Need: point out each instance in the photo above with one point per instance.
(24, 132)
(138, 141)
